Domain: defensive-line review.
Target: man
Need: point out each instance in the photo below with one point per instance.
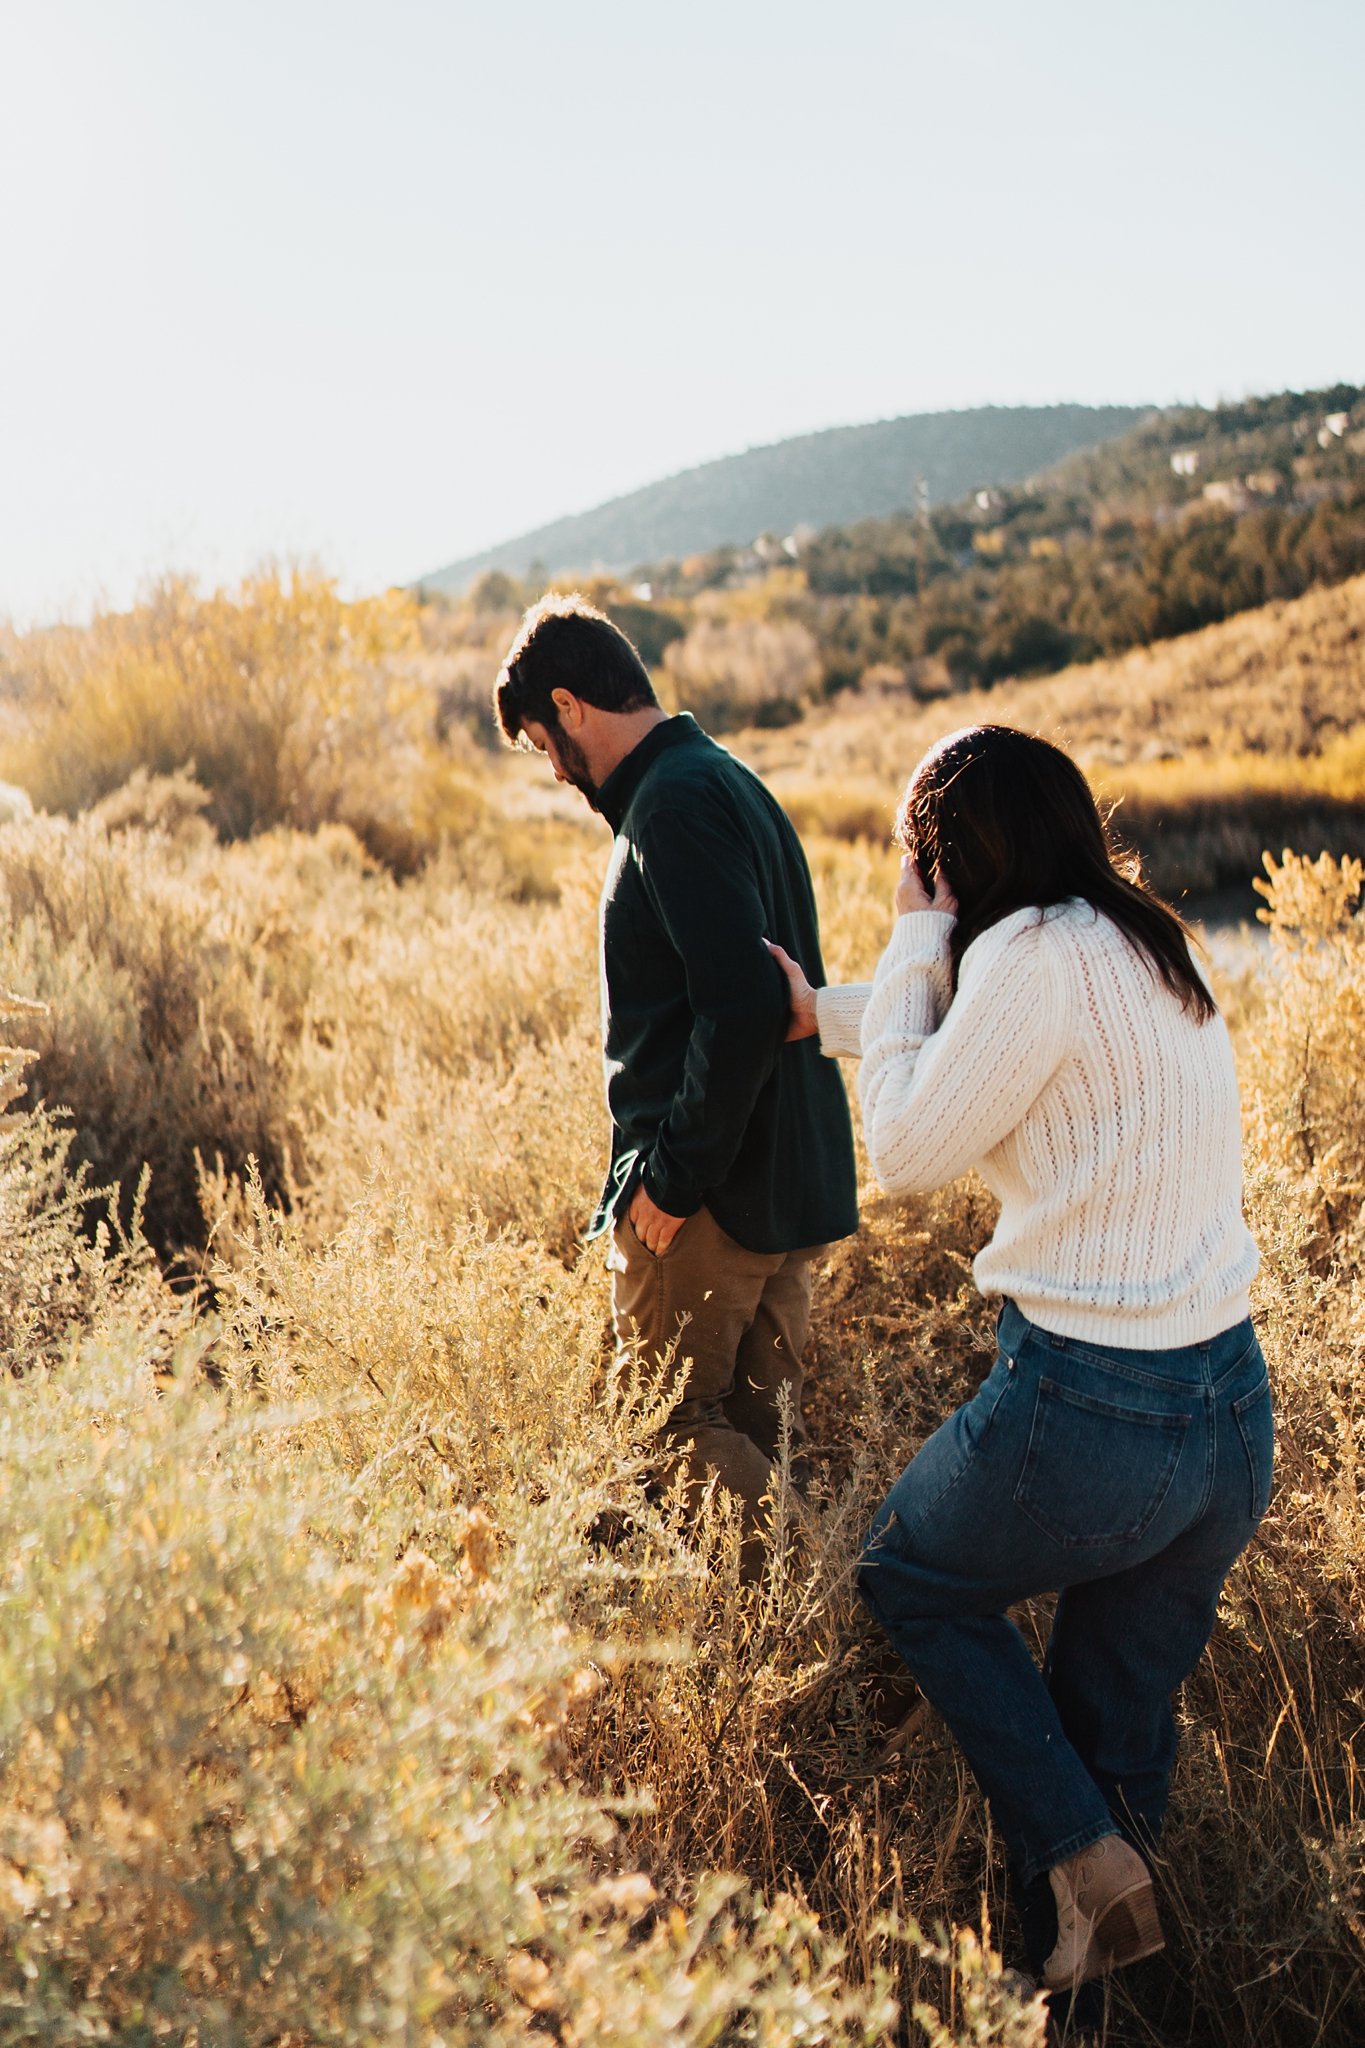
(732, 1152)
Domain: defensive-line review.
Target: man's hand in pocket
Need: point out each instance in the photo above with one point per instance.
(654, 1227)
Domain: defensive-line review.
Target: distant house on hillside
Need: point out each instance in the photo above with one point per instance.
(1230, 493)
(1185, 461)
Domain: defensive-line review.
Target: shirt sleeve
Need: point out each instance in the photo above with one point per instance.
(839, 1018)
(943, 1082)
(700, 874)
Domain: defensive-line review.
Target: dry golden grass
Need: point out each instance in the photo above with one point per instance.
(353, 1685)
(290, 706)
(286, 999)
(1282, 682)
(1247, 735)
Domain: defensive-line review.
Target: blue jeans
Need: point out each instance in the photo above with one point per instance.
(1128, 1480)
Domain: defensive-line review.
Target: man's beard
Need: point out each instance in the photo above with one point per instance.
(573, 763)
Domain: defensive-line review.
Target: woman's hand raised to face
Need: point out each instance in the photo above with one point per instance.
(912, 895)
(802, 1024)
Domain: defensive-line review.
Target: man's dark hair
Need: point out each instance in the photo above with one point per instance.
(1010, 821)
(564, 643)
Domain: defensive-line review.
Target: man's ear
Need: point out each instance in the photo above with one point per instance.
(570, 709)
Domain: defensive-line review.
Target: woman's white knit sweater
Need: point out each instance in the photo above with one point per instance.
(1103, 1115)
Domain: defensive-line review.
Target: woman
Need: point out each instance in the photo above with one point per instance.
(1037, 1016)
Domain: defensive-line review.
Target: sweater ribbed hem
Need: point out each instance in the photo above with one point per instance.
(1158, 1329)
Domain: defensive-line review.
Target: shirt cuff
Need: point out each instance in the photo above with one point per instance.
(672, 1194)
(839, 1018)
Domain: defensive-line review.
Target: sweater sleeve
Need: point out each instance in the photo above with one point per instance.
(701, 878)
(839, 1018)
(941, 1086)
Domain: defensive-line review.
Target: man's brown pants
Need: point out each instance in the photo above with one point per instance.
(739, 1320)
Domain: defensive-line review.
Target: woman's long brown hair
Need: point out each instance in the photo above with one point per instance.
(1010, 821)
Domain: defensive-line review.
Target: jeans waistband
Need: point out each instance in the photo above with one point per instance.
(1175, 1367)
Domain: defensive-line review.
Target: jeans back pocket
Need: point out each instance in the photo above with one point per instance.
(1256, 1426)
(1095, 1473)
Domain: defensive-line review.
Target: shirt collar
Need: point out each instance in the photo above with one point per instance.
(614, 796)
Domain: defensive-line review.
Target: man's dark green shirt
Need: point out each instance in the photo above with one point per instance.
(708, 1104)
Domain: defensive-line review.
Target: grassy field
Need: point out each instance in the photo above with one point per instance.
(1247, 735)
(353, 1687)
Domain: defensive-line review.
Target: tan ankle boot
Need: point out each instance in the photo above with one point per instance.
(1106, 1913)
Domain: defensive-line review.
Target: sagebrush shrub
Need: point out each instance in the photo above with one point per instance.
(359, 1680)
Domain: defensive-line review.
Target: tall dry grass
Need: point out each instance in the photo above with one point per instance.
(287, 1723)
(355, 1682)
(312, 1650)
(290, 706)
(286, 999)
(1247, 735)
(1282, 682)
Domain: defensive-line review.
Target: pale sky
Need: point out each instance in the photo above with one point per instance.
(380, 284)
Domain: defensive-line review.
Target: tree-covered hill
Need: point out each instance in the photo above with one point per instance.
(1190, 517)
(813, 480)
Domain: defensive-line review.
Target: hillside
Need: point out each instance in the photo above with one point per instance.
(1217, 744)
(1283, 681)
(814, 480)
(1189, 518)
(1245, 736)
